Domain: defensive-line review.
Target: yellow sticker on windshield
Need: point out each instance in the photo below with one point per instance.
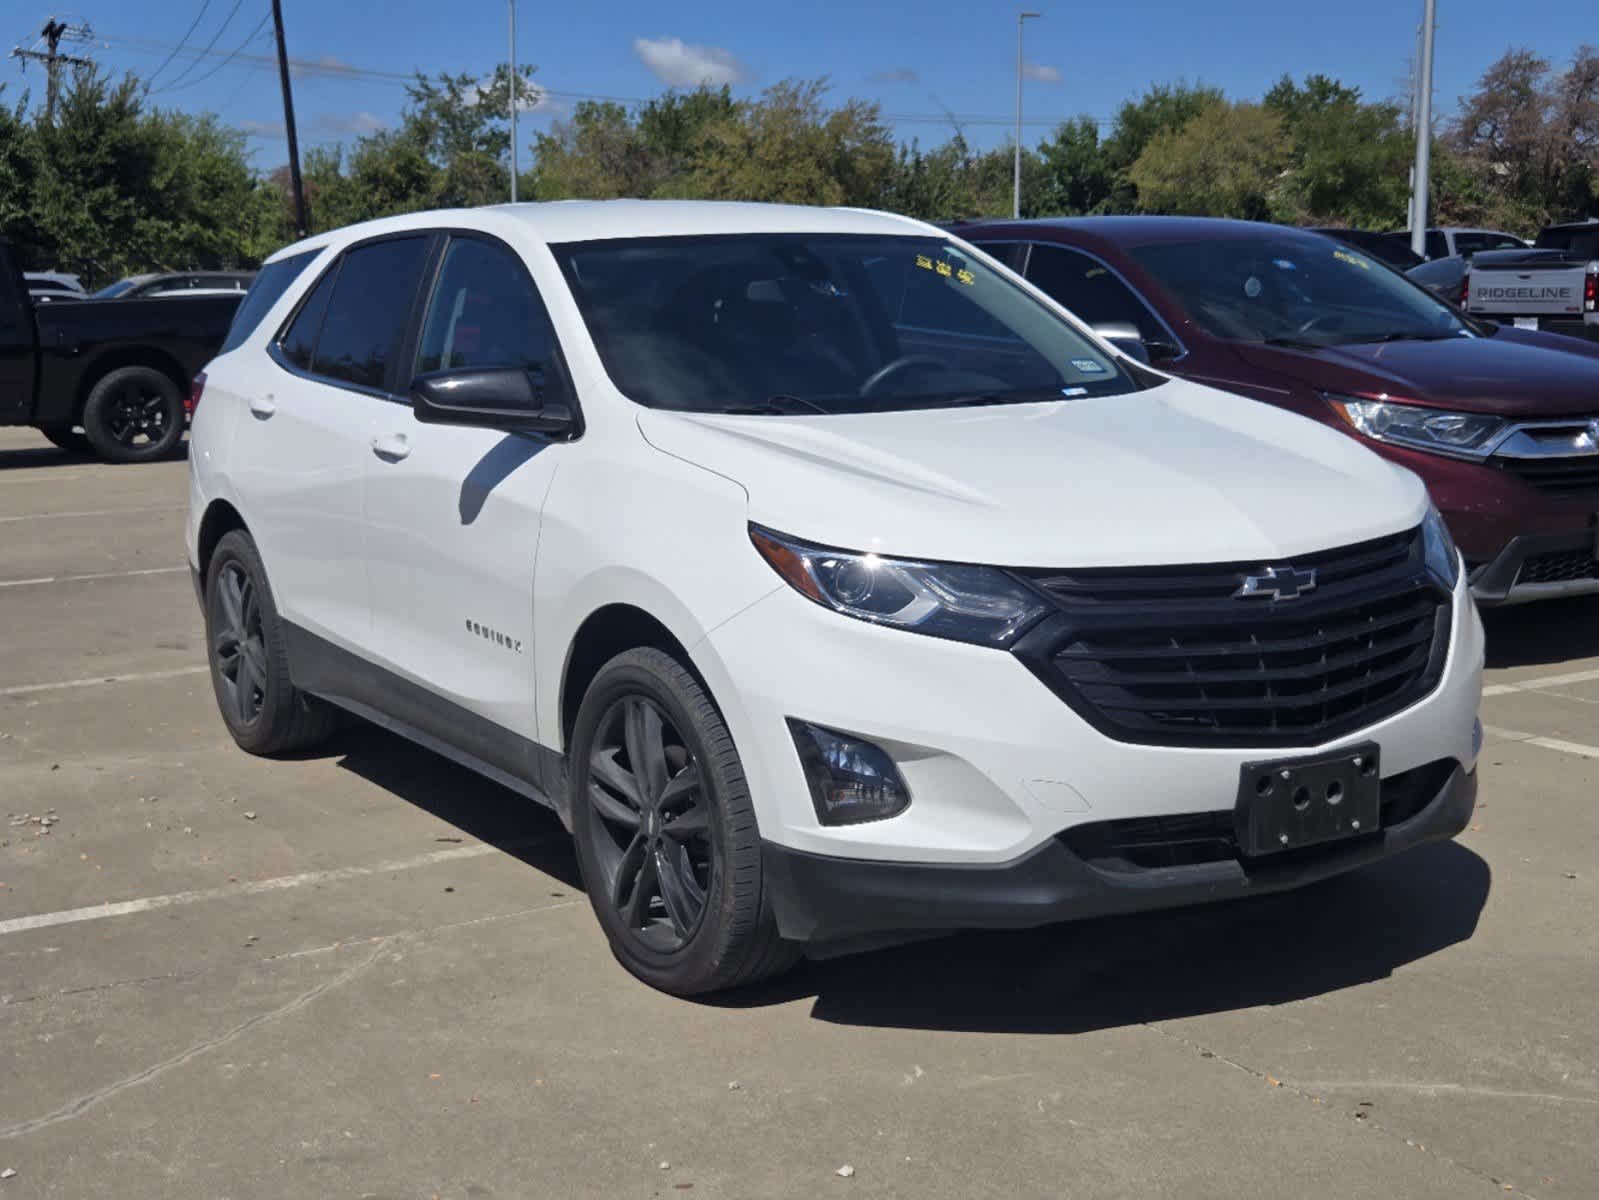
(1352, 258)
(928, 263)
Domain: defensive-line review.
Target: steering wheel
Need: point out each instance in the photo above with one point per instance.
(893, 370)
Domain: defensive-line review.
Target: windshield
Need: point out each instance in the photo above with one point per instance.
(823, 323)
(1295, 289)
(1581, 241)
(115, 289)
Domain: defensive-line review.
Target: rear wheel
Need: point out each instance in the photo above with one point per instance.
(263, 710)
(133, 414)
(666, 832)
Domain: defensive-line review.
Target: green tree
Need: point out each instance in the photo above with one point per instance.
(1076, 172)
(1164, 108)
(1228, 161)
(1349, 158)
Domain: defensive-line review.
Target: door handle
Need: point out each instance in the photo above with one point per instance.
(391, 447)
(263, 406)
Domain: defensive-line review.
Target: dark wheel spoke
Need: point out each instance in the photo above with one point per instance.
(636, 884)
(244, 693)
(674, 882)
(615, 777)
(232, 609)
(689, 825)
(682, 786)
(646, 749)
(612, 809)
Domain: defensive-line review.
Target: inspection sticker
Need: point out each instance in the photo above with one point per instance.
(1089, 366)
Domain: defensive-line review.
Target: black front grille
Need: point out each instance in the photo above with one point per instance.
(1562, 566)
(1174, 657)
(1555, 475)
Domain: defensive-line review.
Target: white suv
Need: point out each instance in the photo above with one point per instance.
(826, 578)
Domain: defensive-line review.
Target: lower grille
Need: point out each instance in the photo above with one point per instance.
(1555, 475)
(1190, 839)
(1564, 566)
(1192, 664)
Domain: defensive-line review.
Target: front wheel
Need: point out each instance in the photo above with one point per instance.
(133, 414)
(666, 834)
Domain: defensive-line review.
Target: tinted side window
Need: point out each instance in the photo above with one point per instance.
(299, 340)
(485, 312)
(269, 285)
(367, 312)
(1089, 291)
(1437, 246)
(1009, 253)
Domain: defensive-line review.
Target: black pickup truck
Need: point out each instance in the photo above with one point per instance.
(116, 370)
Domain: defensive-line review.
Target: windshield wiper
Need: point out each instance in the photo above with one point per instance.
(1291, 343)
(780, 405)
(1406, 336)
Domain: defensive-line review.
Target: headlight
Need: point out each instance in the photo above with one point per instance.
(1443, 560)
(968, 604)
(1433, 429)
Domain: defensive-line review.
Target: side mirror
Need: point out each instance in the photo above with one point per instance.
(508, 398)
(1125, 337)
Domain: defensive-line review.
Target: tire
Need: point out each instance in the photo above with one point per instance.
(674, 878)
(67, 438)
(133, 414)
(263, 710)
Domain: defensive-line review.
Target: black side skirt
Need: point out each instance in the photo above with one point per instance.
(323, 669)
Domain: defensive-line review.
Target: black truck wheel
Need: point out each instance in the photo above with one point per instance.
(133, 414)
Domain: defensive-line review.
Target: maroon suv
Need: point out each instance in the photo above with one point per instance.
(1503, 424)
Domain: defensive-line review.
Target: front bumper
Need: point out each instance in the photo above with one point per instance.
(1539, 567)
(819, 898)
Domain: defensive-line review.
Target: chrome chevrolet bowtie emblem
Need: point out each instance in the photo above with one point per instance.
(1280, 583)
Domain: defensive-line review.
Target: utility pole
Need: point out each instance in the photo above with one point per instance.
(302, 217)
(515, 91)
(52, 35)
(1016, 188)
(1419, 198)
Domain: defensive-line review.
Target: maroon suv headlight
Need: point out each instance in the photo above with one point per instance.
(1463, 435)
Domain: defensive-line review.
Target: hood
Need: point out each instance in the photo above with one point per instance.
(1176, 474)
(1502, 375)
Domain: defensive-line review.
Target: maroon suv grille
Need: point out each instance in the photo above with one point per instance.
(1562, 566)
(1558, 475)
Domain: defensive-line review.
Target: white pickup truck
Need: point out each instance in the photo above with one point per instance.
(1554, 286)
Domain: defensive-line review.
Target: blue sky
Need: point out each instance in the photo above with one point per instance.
(919, 60)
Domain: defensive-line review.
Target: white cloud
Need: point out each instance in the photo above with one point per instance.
(338, 124)
(896, 75)
(261, 129)
(677, 64)
(1039, 73)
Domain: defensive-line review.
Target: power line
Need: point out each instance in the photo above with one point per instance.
(182, 42)
(209, 46)
(339, 70)
(254, 33)
(52, 35)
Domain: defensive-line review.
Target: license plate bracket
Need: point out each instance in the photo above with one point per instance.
(1285, 804)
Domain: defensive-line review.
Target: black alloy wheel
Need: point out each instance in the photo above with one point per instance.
(655, 849)
(134, 414)
(239, 644)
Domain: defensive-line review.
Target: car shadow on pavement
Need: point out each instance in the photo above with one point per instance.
(1090, 975)
(478, 807)
(20, 457)
(1551, 631)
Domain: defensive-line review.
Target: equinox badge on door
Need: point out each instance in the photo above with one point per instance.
(1280, 583)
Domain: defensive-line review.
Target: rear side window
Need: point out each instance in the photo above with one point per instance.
(485, 312)
(1437, 246)
(299, 340)
(366, 315)
(269, 285)
(1089, 291)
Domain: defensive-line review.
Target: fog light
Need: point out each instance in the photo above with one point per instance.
(851, 780)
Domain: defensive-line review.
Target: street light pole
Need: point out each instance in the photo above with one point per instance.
(1016, 189)
(1419, 209)
(514, 97)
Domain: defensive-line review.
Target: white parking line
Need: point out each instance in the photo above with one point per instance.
(29, 689)
(11, 583)
(1544, 681)
(1547, 743)
(255, 887)
(94, 512)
